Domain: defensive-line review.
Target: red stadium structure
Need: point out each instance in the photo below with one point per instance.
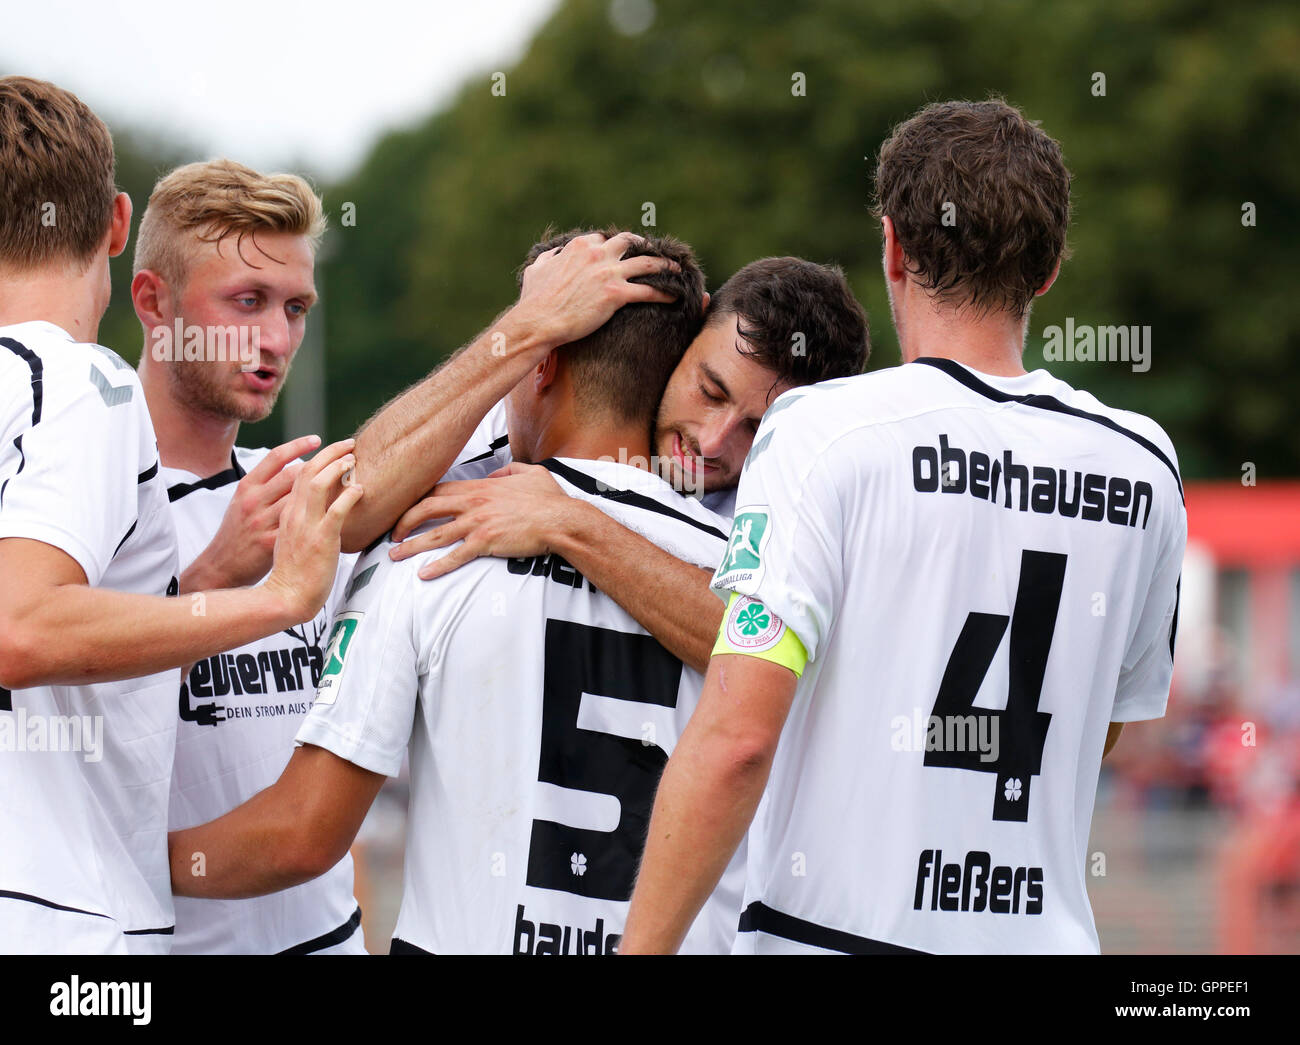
(1243, 563)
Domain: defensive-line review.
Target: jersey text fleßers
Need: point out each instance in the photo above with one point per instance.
(976, 885)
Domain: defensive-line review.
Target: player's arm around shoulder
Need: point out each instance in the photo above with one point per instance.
(56, 626)
(565, 295)
(522, 511)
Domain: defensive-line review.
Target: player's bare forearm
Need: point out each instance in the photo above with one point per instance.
(76, 634)
(668, 597)
(251, 851)
(291, 832)
(707, 798)
(57, 629)
(408, 446)
(203, 575)
(565, 294)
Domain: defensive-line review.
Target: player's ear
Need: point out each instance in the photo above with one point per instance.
(707, 298)
(1056, 271)
(546, 371)
(895, 269)
(151, 297)
(119, 229)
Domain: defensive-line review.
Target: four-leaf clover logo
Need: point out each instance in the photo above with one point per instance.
(753, 619)
(1012, 791)
(578, 864)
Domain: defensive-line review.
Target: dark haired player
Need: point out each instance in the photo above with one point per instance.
(778, 323)
(537, 712)
(954, 539)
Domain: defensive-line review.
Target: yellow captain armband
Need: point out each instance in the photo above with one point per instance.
(751, 629)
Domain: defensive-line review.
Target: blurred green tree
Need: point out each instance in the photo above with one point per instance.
(752, 128)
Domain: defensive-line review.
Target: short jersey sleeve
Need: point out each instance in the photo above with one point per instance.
(70, 472)
(784, 547)
(366, 698)
(487, 450)
(1147, 671)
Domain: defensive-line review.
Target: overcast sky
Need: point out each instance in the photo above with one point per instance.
(270, 83)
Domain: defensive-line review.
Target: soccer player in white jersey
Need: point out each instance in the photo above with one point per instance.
(950, 585)
(776, 324)
(223, 284)
(538, 714)
(89, 646)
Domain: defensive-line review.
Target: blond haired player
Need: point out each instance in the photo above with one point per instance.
(88, 644)
(223, 284)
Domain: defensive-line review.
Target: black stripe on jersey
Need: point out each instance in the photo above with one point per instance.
(1173, 627)
(37, 368)
(959, 373)
(125, 538)
(213, 482)
(29, 898)
(147, 474)
(758, 917)
(589, 484)
(167, 930)
(491, 451)
(329, 939)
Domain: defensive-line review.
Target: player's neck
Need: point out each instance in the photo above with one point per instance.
(192, 440)
(70, 301)
(992, 344)
(589, 441)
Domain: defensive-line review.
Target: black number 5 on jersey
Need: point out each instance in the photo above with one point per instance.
(584, 659)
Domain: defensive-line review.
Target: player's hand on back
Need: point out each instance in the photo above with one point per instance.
(307, 539)
(570, 291)
(243, 548)
(513, 513)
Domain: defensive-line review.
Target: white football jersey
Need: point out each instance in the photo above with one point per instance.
(84, 770)
(538, 716)
(984, 571)
(239, 712)
(489, 449)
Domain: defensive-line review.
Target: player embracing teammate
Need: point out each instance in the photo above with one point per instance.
(955, 540)
(929, 543)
